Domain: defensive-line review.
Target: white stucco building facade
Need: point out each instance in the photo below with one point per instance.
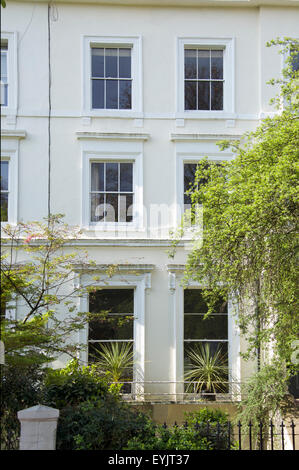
(110, 104)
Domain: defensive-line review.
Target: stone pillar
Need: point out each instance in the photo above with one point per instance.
(38, 428)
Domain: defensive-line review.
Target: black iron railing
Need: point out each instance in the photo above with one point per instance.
(269, 436)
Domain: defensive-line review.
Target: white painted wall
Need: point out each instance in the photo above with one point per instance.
(159, 29)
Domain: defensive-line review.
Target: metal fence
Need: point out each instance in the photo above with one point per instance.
(270, 436)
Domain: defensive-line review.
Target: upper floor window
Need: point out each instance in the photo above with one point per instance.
(189, 180)
(4, 74)
(4, 190)
(111, 191)
(112, 76)
(9, 73)
(203, 81)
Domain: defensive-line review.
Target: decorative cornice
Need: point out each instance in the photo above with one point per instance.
(12, 134)
(198, 137)
(115, 268)
(174, 268)
(112, 136)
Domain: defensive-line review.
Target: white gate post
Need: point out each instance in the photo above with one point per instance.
(38, 428)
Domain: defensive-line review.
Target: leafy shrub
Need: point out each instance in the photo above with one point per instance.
(175, 438)
(212, 424)
(205, 415)
(74, 384)
(92, 416)
(21, 387)
(206, 429)
(99, 426)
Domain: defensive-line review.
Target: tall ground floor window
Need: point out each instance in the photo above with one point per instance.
(205, 344)
(111, 333)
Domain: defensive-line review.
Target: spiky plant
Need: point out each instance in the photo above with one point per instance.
(116, 359)
(207, 370)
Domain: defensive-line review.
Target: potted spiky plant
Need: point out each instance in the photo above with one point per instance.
(207, 371)
(115, 360)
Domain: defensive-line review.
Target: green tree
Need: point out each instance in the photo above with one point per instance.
(37, 272)
(250, 224)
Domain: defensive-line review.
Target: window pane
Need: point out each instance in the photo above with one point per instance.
(126, 177)
(203, 64)
(125, 93)
(111, 327)
(4, 95)
(4, 207)
(127, 374)
(203, 95)
(125, 63)
(190, 63)
(97, 207)
(4, 176)
(111, 94)
(97, 176)
(3, 66)
(111, 176)
(216, 95)
(98, 94)
(189, 175)
(111, 208)
(214, 346)
(111, 63)
(217, 64)
(97, 62)
(112, 300)
(190, 95)
(129, 208)
(213, 327)
(125, 201)
(195, 303)
(295, 61)
(187, 201)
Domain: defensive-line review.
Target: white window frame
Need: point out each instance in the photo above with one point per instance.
(192, 149)
(10, 38)
(10, 153)
(176, 274)
(135, 44)
(137, 277)
(228, 47)
(122, 150)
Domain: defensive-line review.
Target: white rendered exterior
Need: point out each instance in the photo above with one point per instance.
(157, 134)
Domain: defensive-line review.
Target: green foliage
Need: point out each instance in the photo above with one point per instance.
(265, 394)
(207, 415)
(175, 438)
(27, 343)
(37, 271)
(214, 424)
(21, 387)
(74, 385)
(101, 425)
(92, 417)
(206, 429)
(206, 371)
(116, 360)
